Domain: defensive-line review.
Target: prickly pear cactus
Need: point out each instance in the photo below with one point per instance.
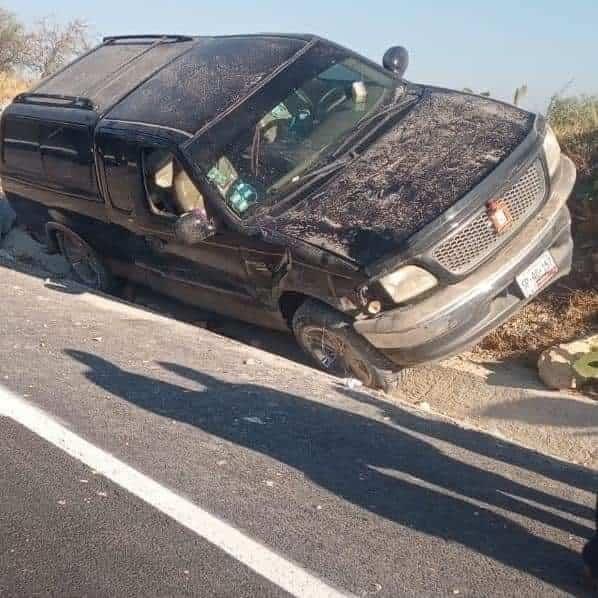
(587, 365)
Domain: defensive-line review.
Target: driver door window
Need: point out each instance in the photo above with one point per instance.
(170, 190)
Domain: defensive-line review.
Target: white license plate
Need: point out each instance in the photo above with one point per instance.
(536, 276)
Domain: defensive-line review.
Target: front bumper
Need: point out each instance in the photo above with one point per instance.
(459, 315)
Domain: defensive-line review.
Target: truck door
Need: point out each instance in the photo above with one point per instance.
(213, 264)
(144, 185)
(21, 148)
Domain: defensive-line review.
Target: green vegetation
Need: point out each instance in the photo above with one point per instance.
(575, 122)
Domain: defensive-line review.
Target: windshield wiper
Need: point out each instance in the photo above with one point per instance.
(381, 116)
(329, 168)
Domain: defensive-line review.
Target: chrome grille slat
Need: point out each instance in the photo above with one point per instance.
(477, 238)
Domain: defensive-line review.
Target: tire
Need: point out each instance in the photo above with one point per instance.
(328, 337)
(86, 265)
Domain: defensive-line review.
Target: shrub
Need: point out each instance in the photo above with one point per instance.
(575, 122)
(10, 86)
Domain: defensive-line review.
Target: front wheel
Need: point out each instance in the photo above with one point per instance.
(85, 263)
(328, 337)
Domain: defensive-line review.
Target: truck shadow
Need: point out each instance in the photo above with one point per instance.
(414, 471)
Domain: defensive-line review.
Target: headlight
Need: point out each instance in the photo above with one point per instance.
(407, 283)
(552, 151)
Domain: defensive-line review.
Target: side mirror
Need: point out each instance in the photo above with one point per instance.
(396, 60)
(194, 227)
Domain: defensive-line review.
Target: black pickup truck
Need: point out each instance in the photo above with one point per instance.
(290, 182)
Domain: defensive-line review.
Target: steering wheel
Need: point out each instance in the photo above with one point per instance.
(332, 98)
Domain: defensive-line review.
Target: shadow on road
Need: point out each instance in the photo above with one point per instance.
(397, 469)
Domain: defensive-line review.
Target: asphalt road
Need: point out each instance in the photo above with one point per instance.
(67, 531)
(363, 493)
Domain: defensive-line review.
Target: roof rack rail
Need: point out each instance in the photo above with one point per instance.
(50, 99)
(149, 37)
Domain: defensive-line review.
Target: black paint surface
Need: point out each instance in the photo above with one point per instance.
(437, 153)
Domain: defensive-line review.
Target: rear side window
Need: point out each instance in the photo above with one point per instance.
(67, 157)
(21, 147)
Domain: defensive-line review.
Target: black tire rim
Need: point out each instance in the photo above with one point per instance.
(334, 355)
(82, 260)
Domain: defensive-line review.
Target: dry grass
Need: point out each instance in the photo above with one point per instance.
(575, 122)
(10, 86)
(558, 316)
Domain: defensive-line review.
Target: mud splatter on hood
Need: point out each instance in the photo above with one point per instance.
(437, 153)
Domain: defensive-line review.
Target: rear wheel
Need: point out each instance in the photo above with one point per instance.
(328, 337)
(85, 263)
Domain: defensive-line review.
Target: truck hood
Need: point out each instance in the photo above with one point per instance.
(445, 145)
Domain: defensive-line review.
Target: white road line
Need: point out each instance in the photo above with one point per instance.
(273, 567)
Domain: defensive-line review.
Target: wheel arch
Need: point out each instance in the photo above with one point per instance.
(289, 302)
(52, 228)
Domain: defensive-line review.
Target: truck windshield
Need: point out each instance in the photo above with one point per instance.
(291, 134)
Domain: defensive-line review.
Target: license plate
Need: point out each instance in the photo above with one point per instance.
(536, 276)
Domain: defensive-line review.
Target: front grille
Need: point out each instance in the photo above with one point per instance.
(477, 238)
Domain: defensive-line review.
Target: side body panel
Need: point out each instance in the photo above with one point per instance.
(57, 165)
(48, 169)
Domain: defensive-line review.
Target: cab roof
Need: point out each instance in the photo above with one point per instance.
(175, 81)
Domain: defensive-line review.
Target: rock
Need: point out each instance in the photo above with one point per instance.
(24, 248)
(7, 217)
(556, 365)
(20, 244)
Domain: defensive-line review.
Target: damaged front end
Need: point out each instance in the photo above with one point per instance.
(450, 214)
(439, 207)
(489, 255)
